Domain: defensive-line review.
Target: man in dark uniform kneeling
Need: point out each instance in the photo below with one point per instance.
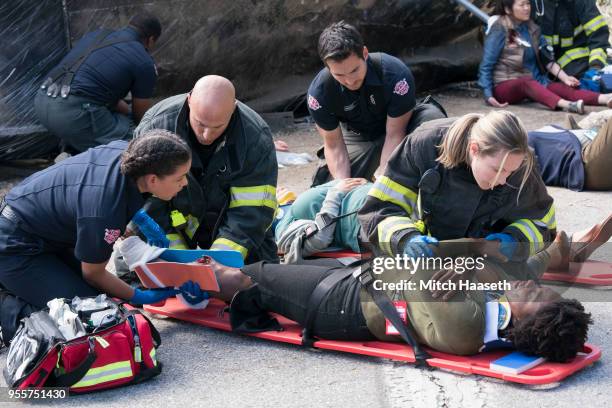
(372, 95)
(81, 100)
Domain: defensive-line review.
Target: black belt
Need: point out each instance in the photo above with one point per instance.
(7, 212)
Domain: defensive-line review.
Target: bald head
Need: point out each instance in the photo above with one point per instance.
(211, 105)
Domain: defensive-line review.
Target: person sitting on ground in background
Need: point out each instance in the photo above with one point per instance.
(321, 217)
(575, 158)
(516, 60)
(84, 104)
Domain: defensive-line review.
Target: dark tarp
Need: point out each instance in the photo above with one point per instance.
(33, 41)
(266, 47)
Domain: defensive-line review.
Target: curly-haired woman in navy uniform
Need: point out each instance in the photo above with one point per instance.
(58, 226)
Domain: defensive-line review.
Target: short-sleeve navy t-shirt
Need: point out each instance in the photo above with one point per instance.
(399, 92)
(83, 202)
(109, 73)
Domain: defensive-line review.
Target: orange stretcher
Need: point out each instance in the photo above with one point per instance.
(593, 273)
(545, 373)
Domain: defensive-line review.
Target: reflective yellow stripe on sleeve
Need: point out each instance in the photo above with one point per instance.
(225, 244)
(549, 220)
(573, 54)
(531, 232)
(388, 190)
(594, 24)
(552, 39)
(567, 42)
(153, 356)
(107, 373)
(598, 54)
(255, 196)
(578, 30)
(549, 39)
(192, 225)
(390, 226)
(176, 241)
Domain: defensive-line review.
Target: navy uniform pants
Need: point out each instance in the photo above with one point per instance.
(81, 122)
(35, 272)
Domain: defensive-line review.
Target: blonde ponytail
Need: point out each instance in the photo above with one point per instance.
(497, 131)
(454, 147)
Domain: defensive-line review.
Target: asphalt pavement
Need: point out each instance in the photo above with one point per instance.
(210, 368)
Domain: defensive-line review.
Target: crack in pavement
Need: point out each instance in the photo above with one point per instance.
(442, 400)
(407, 386)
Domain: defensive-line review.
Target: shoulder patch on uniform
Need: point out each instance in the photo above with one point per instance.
(111, 235)
(401, 87)
(313, 103)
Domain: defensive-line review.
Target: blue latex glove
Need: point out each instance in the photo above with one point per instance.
(192, 293)
(159, 243)
(507, 243)
(149, 296)
(150, 229)
(419, 245)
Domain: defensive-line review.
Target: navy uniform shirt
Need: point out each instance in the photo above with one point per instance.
(109, 73)
(399, 92)
(83, 202)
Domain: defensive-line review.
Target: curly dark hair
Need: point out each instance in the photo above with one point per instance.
(157, 152)
(556, 332)
(338, 41)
